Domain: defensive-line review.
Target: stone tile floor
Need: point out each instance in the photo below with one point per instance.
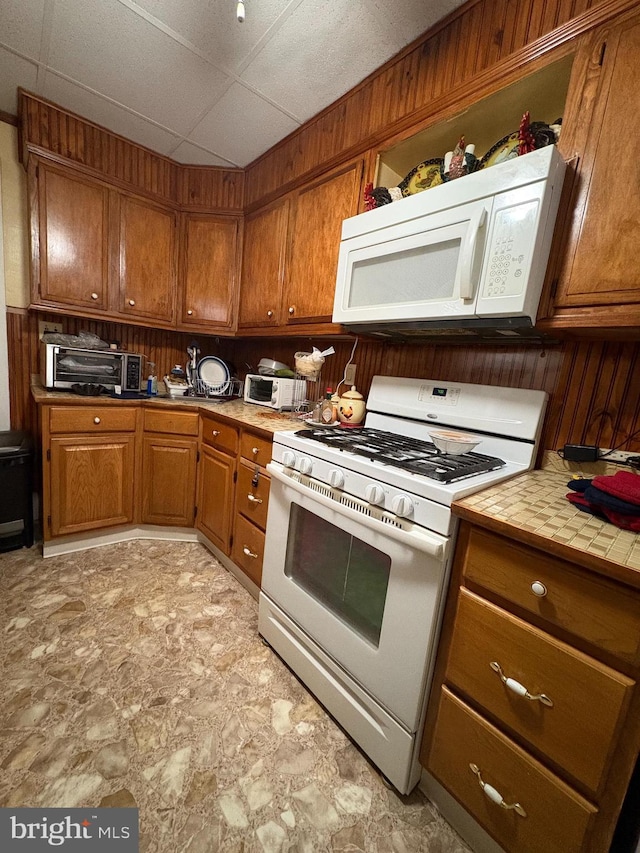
(133, 675)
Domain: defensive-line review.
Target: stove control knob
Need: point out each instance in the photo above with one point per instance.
(304, 465)
(374, 494)
(288, 458)
(402, 505)
(336, 478)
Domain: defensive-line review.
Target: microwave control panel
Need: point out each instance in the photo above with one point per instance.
(510, 250)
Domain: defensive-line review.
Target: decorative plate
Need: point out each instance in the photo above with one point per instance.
(423, 177)
(505, 149)
(214, 373)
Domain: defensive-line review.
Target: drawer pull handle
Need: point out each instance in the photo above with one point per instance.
(94, 295)
(190, 312)
(495, 796)
(255, 450)
(215, 432)
(254, 499)
(132, 302)
(539, 589)
(269, 314)
(520, 689)
(96, 420)
(249, 553)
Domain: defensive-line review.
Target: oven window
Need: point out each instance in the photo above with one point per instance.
(345, 574)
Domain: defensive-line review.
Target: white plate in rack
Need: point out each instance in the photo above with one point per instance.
(214, 373)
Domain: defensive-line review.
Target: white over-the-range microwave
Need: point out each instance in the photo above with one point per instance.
(467, 253)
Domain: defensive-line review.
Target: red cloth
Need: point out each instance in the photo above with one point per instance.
(622, 484)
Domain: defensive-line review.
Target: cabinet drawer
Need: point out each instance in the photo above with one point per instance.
(255, 448)
(177, 423)
(252, 494)
(589, 699)
(66, 419)
(601, 612)
(220, 435)
(557, 817)
(248, 548)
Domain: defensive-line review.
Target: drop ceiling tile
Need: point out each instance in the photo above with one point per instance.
(241, 126)
(189, 154)
(212, 26)
(21, 25)
(117, 53)
(109, 115)
(320, 53)
(14, 72)
(410, 18)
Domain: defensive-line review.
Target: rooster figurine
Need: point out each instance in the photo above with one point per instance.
(459, 162)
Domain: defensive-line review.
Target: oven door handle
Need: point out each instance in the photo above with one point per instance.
(422, 539)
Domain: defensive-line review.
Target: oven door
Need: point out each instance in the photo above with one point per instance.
(368, 593)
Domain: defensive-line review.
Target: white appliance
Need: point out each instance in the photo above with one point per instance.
(467, 254)
(277, 392)
(359, 542)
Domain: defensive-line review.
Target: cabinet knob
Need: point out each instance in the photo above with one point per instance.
(539, 589)
(249, 553)
(520, 689)
(189, 312)
(495, 796)
(94, 295)
(292, 309)
(269, 313)
(253, 499)
(255, 450)
(132, 302)
(215, 432)
(96, 420)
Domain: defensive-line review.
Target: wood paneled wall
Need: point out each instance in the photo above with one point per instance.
(420, 83)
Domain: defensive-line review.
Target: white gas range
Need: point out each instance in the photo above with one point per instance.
(360, 538)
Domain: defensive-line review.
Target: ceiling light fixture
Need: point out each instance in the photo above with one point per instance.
(240, 11)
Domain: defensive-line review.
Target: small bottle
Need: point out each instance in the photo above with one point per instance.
(327, 410)
(152, 381)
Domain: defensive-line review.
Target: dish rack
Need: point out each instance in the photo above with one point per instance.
(223, 390)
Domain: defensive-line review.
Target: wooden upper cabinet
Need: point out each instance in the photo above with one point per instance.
(599, 280)
(146, 260)
(263, 263)
(314, 244)
(209, 246)
(69, 238)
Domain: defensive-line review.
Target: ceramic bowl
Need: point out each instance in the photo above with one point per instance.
(452, 442)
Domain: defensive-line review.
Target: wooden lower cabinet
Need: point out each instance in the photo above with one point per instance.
(92, 483)
(169, 480)
(215, 496)
(252, 504)
(534, 698)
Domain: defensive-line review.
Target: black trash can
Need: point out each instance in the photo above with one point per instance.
(16, 490)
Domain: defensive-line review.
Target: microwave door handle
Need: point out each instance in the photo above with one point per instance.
(469, 254)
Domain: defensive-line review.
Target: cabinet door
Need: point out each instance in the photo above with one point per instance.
(69, 238)
(601, 275)
(168, 480)
(92, 482)
(147, 260)
(263, 261)
(208, 271)
(315, 242)
(215, 496)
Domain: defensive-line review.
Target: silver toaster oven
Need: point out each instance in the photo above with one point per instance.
(63, 367)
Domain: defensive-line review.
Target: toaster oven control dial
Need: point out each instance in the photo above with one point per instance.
(336, 478)
(402, 505)
(288, 458)
(304, 465)
(374, 494)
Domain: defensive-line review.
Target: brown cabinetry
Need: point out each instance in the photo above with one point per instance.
(169, 457)
(89, 471)
(216, 481)
(208, 281)
(290, 255)
(534, 700)
(252, 503)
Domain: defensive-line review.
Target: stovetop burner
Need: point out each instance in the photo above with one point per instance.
(409, 454)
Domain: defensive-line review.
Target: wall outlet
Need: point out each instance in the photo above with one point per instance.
(48, 326)
(350, 374)
(619, 456)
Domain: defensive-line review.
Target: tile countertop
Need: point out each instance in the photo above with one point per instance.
(532, 508)
(237, 411)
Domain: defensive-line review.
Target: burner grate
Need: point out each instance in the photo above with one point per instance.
(409, 454)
